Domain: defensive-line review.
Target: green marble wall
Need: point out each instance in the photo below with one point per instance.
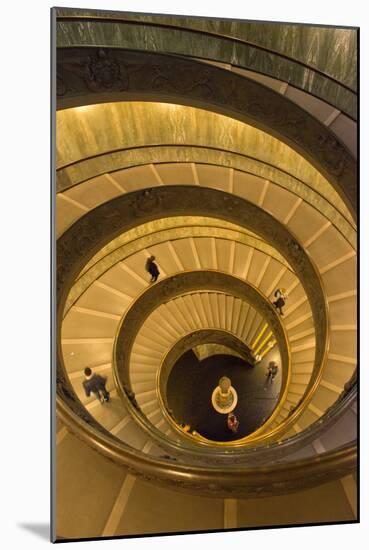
(85, 132)
(278, 50)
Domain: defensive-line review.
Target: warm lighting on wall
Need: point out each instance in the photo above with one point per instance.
(259, 336)
(83, 108)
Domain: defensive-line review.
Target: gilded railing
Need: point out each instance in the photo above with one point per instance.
(92, 232)
(189, 282)
(235, 478)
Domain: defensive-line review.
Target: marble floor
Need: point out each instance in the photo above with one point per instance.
(192, 382)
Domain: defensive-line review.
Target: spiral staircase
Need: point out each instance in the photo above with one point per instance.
(176, 138)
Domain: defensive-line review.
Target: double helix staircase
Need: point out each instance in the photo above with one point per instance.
(126, 467)
(89, 330)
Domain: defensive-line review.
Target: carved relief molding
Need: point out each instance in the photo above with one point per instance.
(93, 75)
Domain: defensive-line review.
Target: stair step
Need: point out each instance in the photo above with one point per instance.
(137, 377)
(155, 416)
(132, 435)
(143, 360)
(140, 387)
(144, 396)
(147, 351)
(149, 406)
(153, 335)
(144, 368)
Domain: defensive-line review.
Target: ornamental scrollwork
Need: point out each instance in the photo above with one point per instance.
(146, 202)
(121, 71)
(104, 72)
(171, 78)
(332, 154)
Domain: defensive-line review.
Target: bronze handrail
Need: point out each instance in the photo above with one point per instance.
(91, 232)
(190, 282)
(217, 480)
(246, 456)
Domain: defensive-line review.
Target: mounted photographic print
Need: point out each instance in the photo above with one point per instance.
(205, 203)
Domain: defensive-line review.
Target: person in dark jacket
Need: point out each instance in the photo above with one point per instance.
(96, 384)
(272, 371)
(232, 422)
(152, 268)
(280, 302)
